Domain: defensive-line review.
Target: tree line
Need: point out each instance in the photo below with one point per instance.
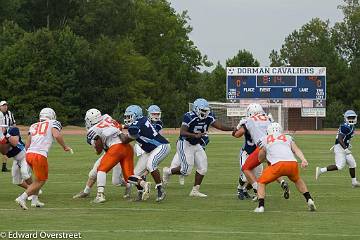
(73, 55)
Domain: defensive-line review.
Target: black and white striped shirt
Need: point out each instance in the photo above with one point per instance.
(9, 119)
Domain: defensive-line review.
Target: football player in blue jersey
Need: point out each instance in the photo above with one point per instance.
(194, 127)
(342, 148)
(248, 147)
(13, 147)
(155, 146)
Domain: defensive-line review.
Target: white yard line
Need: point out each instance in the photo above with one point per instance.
(178, 210)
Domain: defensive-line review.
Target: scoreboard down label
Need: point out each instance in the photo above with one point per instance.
(276, 82)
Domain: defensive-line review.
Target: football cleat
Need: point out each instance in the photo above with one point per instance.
(181, 179)
(285, 187)
(81, 195)
(166, 176)
(311, 205)
(100, 198)
(355, 185)
(127, 192)
(196, 193)
(160, 194)
(317, 173)
(241, 194)
(29, 198)
(146, 192)
(259, 209)
(38, 204)
(21, 203)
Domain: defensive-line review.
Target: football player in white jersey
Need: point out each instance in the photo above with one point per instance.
(39, 141)
(117, 177)
(256, 125)
(278, 149)
(103, 134)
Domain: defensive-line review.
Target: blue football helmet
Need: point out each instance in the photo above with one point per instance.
(201, 108)
(350, 117)
(154, 113)
(132, 113)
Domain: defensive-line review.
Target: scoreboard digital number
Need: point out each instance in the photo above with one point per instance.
(276, 82)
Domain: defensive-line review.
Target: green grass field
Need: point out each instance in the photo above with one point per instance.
(220, 216)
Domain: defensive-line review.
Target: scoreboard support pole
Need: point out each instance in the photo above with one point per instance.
(279, 115)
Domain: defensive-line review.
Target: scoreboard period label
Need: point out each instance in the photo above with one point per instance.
(276, 82)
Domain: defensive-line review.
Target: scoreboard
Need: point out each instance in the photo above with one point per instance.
(276, 83)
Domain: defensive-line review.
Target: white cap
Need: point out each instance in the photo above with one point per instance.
(2, 103)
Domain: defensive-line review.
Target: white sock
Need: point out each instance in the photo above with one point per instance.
(196, 187)
(34, 198)
(255, 185)
(24, 196)
(281, 182)
(101, 181)
(87, 189)
(40, 192)
(323, 170)
(168, 171)
(353, 180)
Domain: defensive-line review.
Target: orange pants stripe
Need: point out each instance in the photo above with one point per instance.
(289, 169)
(122, 153)
(39, 165)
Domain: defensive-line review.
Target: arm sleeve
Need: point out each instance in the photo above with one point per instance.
(14, 131)
(57, 125)
(344, 130)
(91, 135)
(134, 132)
(186, 120)
(212, 118)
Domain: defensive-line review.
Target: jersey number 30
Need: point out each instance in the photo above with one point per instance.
(40, 128)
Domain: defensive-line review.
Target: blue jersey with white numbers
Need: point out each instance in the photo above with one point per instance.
(158, 125)
(197, 125)
(347, 131)
(14, 131)
(146, 135)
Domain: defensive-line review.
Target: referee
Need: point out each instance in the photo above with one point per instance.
(10, 122)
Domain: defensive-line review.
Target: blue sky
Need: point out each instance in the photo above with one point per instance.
(222, 27)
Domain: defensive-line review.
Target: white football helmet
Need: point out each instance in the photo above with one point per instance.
(350, 117)
(274, 128)
(254, 109)
(47, 114)
(92, 117)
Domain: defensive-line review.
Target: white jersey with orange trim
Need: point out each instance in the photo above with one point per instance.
(41, 136)
(107, 129)
(278, 148)
(257, 126)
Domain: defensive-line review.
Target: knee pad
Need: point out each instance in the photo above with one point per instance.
(202, 171)
(340, 166)
(351, 162)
